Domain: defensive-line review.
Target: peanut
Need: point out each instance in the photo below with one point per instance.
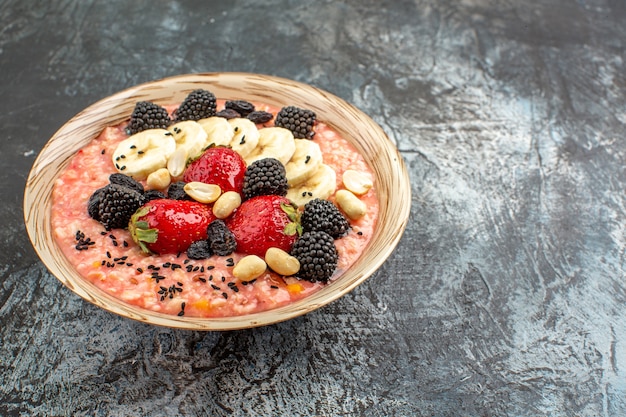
(281, 262)
(177, 162)
(350, 204)
(201, 192)
(226, 204)
(357, 182)
(249, 267)
(159, 179)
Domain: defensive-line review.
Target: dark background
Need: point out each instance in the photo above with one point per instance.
(505, 296)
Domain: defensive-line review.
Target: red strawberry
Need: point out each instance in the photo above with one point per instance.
(218, 165)
(262, 222)
(170, 226)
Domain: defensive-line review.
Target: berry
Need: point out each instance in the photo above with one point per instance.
(176, 191)
(199, 249)
(218, 165)
(148, 115)
(263, 222)
(265, 176)
(299, 121)
(260, 116)
(317, 254)
(240, 106)
(199, 104)
(323, 215)
(221, 240)
(114, 205)
(126, 181)
(170, 226)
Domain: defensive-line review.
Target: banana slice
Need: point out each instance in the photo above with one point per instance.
(321, 184)
(274, 142)
(246, 136)
(304, 162)
(144, 152)
(189, 135)
(218, 130)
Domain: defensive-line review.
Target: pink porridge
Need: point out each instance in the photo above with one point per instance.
(173, 283)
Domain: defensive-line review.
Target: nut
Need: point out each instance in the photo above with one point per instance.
(159, 179)
(226, 204)
(281, 262)
(249, 267)
(201, 192)
(177, 162)
(350, 204)
(357, 182)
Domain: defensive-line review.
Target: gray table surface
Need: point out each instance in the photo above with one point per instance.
(505, 296)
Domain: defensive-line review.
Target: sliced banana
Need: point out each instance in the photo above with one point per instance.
(304, 162)
(189, 135)
(143, 153)
(218, 130)
(274, 142)
(321, 184)
(246, 136)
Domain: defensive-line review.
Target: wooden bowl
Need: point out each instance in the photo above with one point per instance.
(391, 179)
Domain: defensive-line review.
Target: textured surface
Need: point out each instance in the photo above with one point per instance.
(506, 294)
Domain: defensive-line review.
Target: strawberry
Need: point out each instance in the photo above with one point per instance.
(218, 165)
(170, 226)
(264, 221)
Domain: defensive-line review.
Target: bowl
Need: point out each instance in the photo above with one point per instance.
(391, 179)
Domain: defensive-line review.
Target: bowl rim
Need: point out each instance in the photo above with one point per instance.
(40, 183)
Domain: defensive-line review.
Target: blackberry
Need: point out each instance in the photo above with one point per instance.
(94, 202)
(126, 181)
(260, 116)
(176, 191)
(199, 104)
(323, 215)
(221, 240)
(317, 255)
(299, 121)
(117, 205)
(153, 195)
(265, 176)
(199, 250)
(148, 115)
(228, 114)
(240, 106)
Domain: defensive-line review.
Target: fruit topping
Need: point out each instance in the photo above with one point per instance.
(176, 191)
(190, 136)
(317, 254)
(143, 153)
(323, 216)
(260, 116)
(299, 121)
(221, 240)
(169, 226)
(153, 195)
(126, 181)
(242, 107)
(113, 205)
(227, 114)
(148, 115)
(246, 136)
(218, 165)
(263, 222)
(321, 184)
(274, 142)
(263, 177)
(199, 249)
(199, 104)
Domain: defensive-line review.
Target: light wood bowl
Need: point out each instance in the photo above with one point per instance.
(391, 178)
